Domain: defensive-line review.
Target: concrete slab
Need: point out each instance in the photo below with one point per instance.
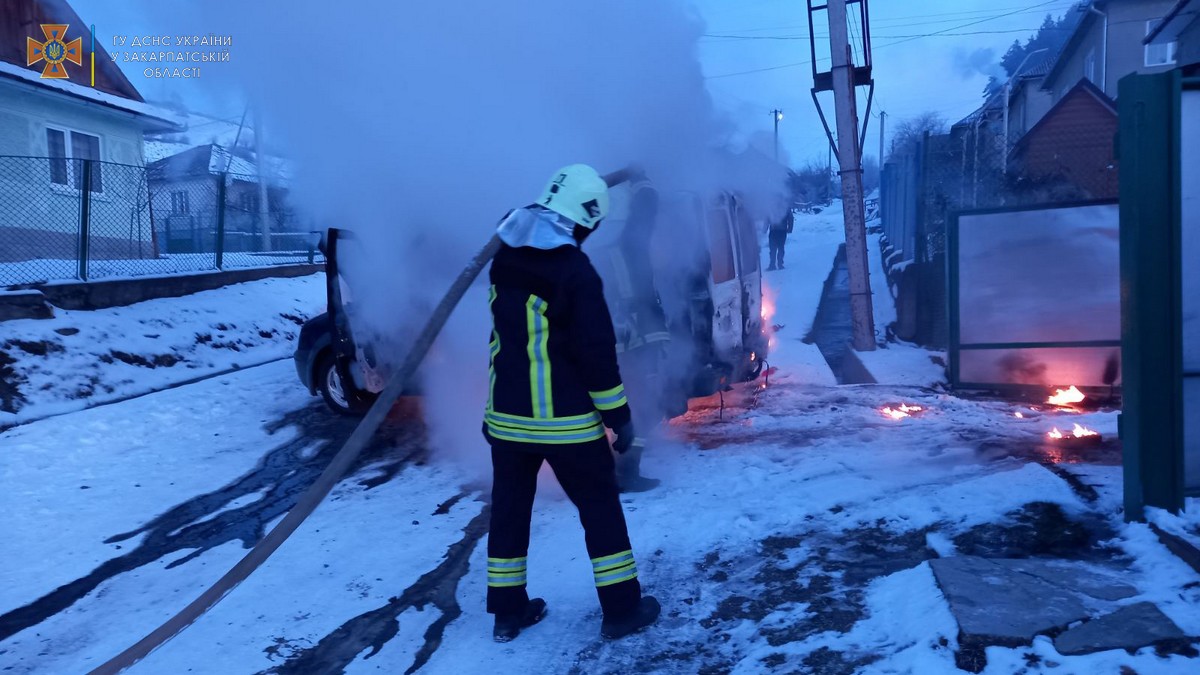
(1073, 576)
(1133, 627)
(996, 604)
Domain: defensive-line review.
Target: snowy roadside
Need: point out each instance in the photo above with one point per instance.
(794, 532)
(123, 514)
(896, 362)
(795, 292)
(791, 534)
(83, 358)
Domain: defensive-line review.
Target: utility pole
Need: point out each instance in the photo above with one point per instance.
(850, 169)
(777, 116)
(264, 206)
(882, 122)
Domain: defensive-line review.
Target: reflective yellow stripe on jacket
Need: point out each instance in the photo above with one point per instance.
(555, 431)
(543, 427)
(609, 399)
(539, 358)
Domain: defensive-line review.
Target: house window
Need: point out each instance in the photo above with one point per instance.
(1089, 66)
(67, 150)
(179, 202)
(1159, 54)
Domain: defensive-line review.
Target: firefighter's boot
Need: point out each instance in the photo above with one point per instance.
(642, 616)
(509, 626)
(629, 472)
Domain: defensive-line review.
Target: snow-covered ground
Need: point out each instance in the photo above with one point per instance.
(792, 533)
(82, 358)
(808, 258)
(896, 362)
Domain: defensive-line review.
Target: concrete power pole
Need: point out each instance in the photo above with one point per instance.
(264, 206)
(882, 122)
(850, 161)
(777, 116)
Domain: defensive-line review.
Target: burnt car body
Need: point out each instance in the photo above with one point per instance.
(717, 310)
(708, 275)
(329, 360)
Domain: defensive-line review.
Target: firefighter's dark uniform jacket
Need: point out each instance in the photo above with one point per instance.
(554, 375)
(554, 387)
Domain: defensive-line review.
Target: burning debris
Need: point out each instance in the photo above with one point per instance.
(1066, 398)
(1079, 436)
(1072, 399)
(1019, 415)
(901, 411)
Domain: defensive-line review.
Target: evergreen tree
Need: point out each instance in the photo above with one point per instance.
(1051, 36)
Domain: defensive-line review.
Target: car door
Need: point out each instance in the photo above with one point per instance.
(749, 256)
(724, 285)
(355, 355)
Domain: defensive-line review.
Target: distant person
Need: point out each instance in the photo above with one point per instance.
(777, 233)
(555, 386)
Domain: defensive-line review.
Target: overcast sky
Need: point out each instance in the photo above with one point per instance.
(760, 60)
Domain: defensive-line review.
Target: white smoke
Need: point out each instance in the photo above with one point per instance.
(420, 124)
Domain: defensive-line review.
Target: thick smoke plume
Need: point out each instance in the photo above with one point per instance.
(419, 125)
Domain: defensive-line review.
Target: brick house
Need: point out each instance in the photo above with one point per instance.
(1073, 144)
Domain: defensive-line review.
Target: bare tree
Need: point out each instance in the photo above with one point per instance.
(811, 183)
(910, 131)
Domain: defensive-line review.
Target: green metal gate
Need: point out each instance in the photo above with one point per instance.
(1159, 152)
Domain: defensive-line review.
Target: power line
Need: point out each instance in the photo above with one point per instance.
(1066, 4)
(889, 37)
(965, 25)
(889, 44)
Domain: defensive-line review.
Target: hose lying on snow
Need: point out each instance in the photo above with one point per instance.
(341, 462)
(316, 493)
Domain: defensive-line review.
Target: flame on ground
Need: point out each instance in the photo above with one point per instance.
(901, 411)
(1066, 397)
(1077, 432)
(1019, 415)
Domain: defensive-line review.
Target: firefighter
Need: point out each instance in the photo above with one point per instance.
(555, 386)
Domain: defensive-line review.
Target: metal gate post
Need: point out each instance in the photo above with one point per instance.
(85, 216)
(1151, 361)
(220, 243)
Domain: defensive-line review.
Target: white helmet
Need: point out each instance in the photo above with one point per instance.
(578, 193)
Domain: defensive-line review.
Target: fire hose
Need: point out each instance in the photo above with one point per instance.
(338, 466)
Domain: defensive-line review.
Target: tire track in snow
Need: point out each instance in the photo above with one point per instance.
(373, 629)
(207, 521)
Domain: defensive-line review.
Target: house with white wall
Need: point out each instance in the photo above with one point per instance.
(55, 117)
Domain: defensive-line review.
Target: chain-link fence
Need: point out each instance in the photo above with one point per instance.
(131, 221)
(972, 168)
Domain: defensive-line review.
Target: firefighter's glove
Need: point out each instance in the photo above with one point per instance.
(626, 439)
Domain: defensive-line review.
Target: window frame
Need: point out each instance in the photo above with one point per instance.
(1172, 48)
(722, 255)
(73, 184)
(180, 205)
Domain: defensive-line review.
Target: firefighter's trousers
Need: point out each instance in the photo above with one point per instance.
(585, 472)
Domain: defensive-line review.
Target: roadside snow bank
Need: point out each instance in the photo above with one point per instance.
(83, 358)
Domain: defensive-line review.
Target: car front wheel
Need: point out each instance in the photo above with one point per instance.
(341, 397)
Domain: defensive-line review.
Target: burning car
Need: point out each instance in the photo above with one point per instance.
(708, 263)
(331, 363)
(704, 258)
